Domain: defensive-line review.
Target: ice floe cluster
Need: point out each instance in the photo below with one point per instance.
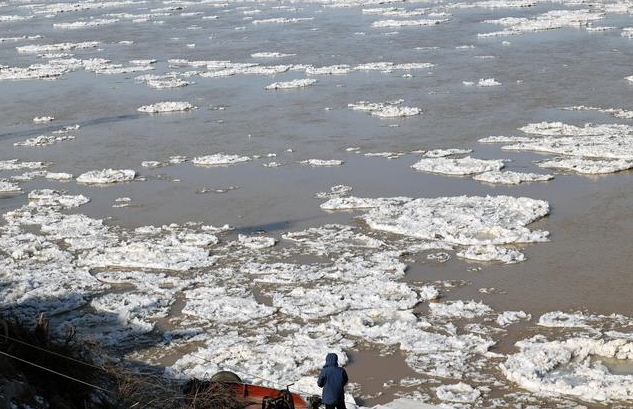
(588, 149)
(550, 20)
(574, 365)
(270, 306)
(482, 224)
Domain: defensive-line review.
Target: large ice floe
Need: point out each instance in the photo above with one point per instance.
(482, 224)
(588, 149)
(575, 364)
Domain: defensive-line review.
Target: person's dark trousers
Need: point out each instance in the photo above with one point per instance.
(340, 405)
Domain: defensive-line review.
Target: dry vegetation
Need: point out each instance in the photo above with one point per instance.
(37, 371)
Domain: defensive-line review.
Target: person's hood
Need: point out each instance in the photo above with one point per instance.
(331, 359)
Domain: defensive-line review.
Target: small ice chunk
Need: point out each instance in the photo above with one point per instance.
(168, 106)
(487, 82)
(460, 309)
(60, 176)
(106, 176)
(428, 292)
(42, 119)
(301, 83)
(510, 317)
(386, 109)
(460, 393)
(322, 162)
(407, 23)
(271, 55)
(256, 242)
(219, 159)
(489, 252)
(335, 191)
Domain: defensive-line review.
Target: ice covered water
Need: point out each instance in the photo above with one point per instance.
(443, 188)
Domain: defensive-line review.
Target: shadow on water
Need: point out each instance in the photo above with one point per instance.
(57, 126)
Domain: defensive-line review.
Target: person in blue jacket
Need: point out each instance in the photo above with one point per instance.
(332, 379)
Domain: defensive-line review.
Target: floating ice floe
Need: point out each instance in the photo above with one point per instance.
(572, 367)
(592, 149)
(282, 20)
(106, 176)
(385, 110)
(301, 83)
(42, 119)
(15, 164)
(166, 81)
(460, 393)
(440, 153)
(550, 20)
(60, 176)
(511, 178)
(458, 166)
(387, 66)
(487, 82)
(219, 159)
(340, 69)
(335, 191)
(34, 71)
(510, 317)
(460, 309)
(9, 188)
(256, 242)
(587, 166)
(271, 55)
(224, 305)
(167, 106)
(283, 273)
(489, 252)
(86, 24)
(388, 155)
(463, 220)
(323, 162)
(618, 113)
(161, 254)
(35, 49)
(407, 23)
(44, 140)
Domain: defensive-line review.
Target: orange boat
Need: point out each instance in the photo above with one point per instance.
(227, 385)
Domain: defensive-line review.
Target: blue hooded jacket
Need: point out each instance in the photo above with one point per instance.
(332, 379)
